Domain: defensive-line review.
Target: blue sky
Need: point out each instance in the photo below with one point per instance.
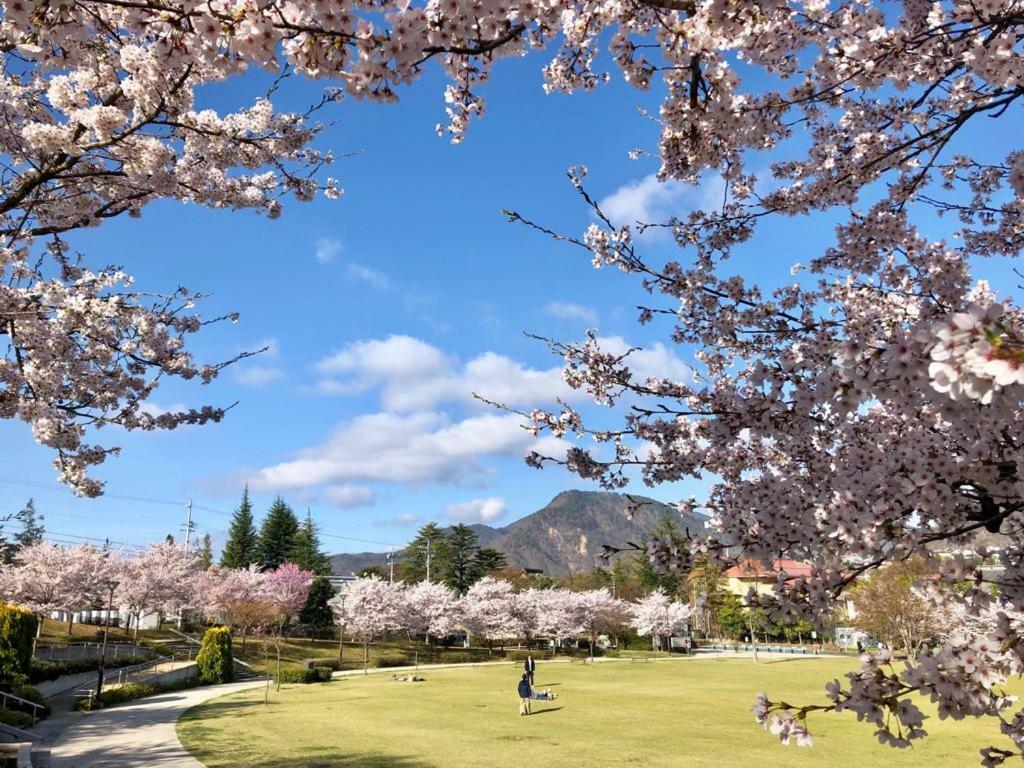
(383, 311)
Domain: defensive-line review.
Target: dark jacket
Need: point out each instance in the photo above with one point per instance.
(530, 665)
(524, 689)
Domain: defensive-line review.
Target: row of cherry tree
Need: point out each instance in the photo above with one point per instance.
(161, 578)
(371, 608)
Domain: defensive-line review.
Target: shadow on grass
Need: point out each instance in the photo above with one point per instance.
(339, 760)
(546, 711)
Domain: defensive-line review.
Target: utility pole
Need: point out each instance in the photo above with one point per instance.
(188, 535)
(391, 566)
(188, 524)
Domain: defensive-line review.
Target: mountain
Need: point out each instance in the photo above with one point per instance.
(566, 536)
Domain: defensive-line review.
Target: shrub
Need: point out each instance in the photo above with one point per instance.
(42, 671)
(457, 657)
(133, 691)
(391, 660)
(17, 719)
(314, 675)
(214, 660)
(31, 693)
(17, 632)
(332, 664)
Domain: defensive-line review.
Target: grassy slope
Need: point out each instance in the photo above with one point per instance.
(692, 712)
(296, 651)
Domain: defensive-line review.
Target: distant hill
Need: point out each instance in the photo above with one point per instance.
(566, 536)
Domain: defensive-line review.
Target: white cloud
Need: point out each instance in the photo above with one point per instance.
(327, 249)
(567, 310)
(364, 274)
(257, 376)
(652, 362)
(413, 375)
(650, 201)
(349, 496)
(478, 510)
(399, 521)
(412, 449)
(152, 409)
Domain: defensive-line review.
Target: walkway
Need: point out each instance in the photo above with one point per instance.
(136, 734)
(142, 734)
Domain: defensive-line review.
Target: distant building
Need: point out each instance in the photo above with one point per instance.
(528, 572)
(338, 581)
(751, 573)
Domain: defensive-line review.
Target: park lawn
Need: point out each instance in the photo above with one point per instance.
(295, 652)
(692, 712)
(57, 632)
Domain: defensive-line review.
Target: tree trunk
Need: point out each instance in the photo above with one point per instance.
(266, 662)
(341, 645)
(71, 621)
(277, 647)
(366, 657)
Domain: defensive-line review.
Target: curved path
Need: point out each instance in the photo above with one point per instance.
(136, 734)
(142, 734)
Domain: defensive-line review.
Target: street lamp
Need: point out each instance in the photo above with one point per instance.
(111, 586)
(341, 628)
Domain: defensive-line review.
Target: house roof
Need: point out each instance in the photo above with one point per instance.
(754, 569)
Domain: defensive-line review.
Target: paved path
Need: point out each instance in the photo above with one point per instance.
(142, 734)
(136, 735)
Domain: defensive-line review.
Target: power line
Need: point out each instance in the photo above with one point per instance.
(211, 510)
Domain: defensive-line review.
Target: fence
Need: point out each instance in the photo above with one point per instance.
(86, 650)
(136, 673)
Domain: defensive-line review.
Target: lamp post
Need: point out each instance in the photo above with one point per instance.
(341, 629)
(111, 585)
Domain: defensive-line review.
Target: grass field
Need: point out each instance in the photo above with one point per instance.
(693, 712)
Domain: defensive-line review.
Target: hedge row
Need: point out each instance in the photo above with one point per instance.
(314, 675)
(41, 671)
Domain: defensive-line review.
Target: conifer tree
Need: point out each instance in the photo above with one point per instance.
(241, 550)
(430, 545)
(277, 535)
(317, 614)
(458, 570)
(305, 551)
(32, 529)
(206, 556)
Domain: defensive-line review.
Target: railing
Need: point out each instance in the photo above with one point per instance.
(124, 675)
(5, 697)
(45, 651)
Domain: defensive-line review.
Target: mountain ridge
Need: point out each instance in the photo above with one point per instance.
(565, 536)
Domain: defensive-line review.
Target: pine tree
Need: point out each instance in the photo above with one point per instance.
(430, 544)
(207, 552)
(647, 576)
(241, 549)
(32, 529)
(305, 551)
(277, 535)
(317, 614)
(488, 560)
(457, 569)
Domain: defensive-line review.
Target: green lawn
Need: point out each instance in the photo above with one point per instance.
(693, 712)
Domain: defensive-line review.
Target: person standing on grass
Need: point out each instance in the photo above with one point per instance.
(524, 695)
(530, 666)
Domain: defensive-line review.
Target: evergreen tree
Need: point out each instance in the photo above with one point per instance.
(648, 577)
(430, 543)
(488, 560)
(32, 529)
(207, 552)
(277, 535)
(241, 549)
(316, 613)
(169, 538)
(305, 551)
(457, 569)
